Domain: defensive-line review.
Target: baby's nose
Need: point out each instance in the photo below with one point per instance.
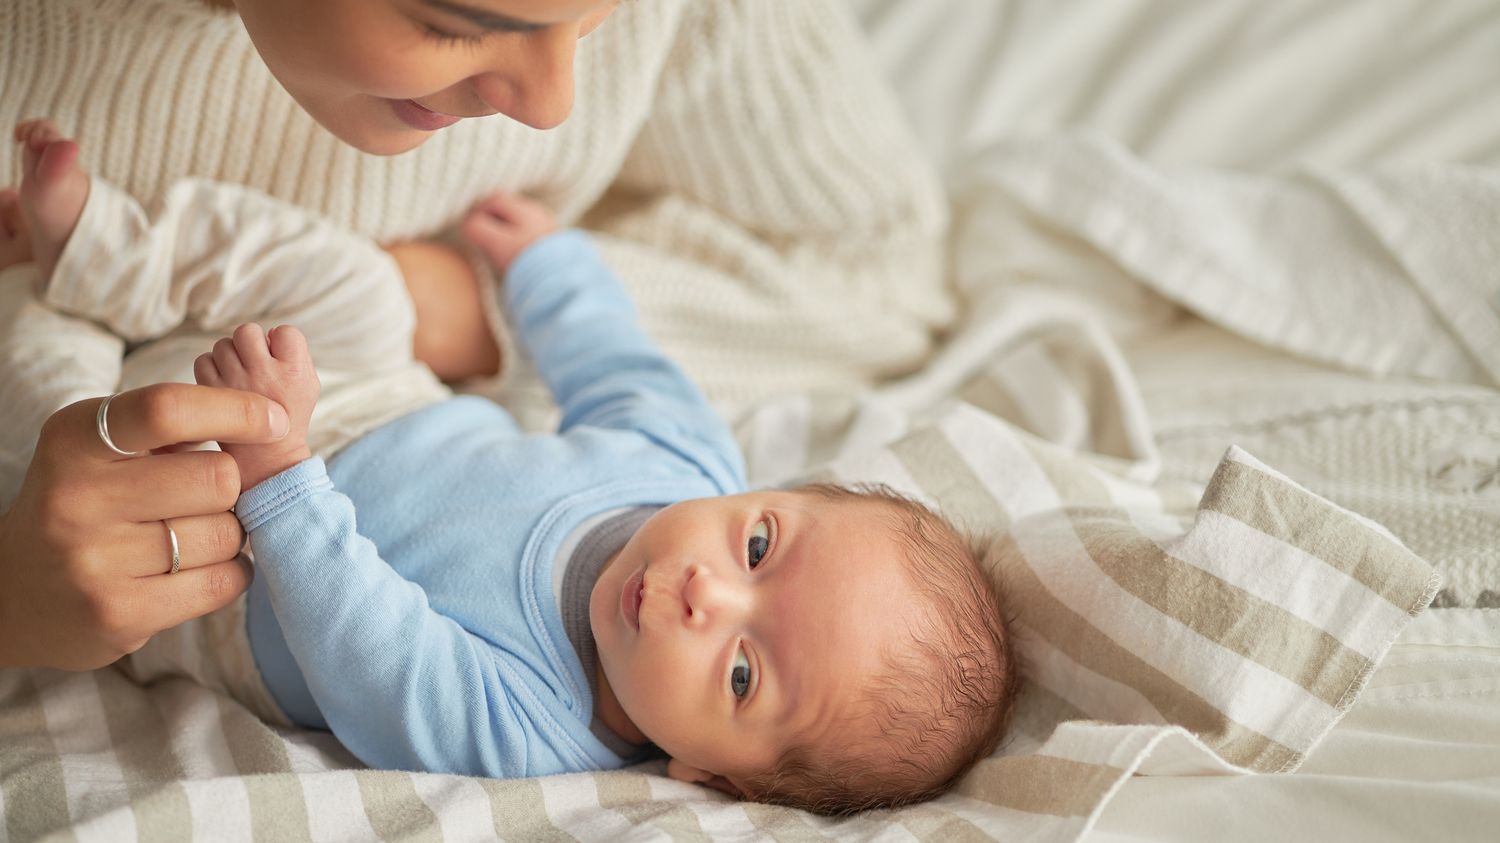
(710, 599)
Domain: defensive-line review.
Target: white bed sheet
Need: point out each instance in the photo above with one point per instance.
(1247, 84)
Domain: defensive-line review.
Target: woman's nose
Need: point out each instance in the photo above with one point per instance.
(709, 599)
(532, 81)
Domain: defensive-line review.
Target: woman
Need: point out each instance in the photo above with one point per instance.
(745, 170)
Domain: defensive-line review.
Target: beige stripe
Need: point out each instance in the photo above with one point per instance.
(36, 798)
(931, 822)
(943, 473)
(780, 823)
(1072, 635)
(1221, 612)
(1076, 486)
(1305, 521)
(629, 794)
(1040, 784)
(1038, 713)
(520, 812)
(394, 809)
(988, 394)
(144, 749)
(278, 806)
(255, 748)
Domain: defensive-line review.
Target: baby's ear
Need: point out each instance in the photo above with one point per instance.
(688, 773)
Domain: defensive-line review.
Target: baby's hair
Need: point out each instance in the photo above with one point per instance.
(940, 706)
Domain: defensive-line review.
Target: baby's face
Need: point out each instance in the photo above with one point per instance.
(728, 626)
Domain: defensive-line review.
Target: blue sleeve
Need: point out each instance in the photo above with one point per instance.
(580, 328)
(402, 686)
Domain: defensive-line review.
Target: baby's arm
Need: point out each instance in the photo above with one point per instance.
(580, 327)
(401, 685)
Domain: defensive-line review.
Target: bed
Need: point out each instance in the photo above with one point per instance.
(1230, 277)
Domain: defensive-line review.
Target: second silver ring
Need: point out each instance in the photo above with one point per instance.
(176, 550)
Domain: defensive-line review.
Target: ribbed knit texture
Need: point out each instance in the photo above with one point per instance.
(771, 214)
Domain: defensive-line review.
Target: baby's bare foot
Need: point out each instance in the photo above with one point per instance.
(53, 189)
(15, 240)
(279, 367)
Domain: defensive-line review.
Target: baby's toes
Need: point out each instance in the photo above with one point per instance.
(36, 131)
(206, 372)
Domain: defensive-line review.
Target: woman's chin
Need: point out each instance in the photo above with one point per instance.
(383, 141)
(374, 134)
(391, 143)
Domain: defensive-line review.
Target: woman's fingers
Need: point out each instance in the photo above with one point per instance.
(166, 600)
(146, 549)
(170, 486)
(168, 413)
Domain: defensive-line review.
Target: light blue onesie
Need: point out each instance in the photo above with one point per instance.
(426, 635)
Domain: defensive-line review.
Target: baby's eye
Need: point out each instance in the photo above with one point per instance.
(760, 542)
(739, 677)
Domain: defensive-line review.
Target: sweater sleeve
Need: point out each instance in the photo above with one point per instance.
(580, 328)
(402, 686)
(775, 217)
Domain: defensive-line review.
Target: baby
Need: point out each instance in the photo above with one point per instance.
(451, 594)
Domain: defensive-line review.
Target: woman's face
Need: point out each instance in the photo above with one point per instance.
(383, 75)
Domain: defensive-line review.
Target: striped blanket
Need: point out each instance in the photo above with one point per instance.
(1158, 636)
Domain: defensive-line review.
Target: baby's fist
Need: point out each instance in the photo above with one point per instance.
(501, 226)
(278, 366)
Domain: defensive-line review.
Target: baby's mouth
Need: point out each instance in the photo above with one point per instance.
(631, 597)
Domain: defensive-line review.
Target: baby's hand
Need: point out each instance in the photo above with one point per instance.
(278, 366)
(501, 226)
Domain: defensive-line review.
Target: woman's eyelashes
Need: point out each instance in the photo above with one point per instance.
(759, 544)
(450, 38)
(739, 675)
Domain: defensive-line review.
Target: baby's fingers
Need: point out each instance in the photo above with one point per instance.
(206, 372)
(227, 361)
(288, 344)
(515, 209)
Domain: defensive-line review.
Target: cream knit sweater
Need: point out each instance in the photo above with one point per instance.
(747, 171)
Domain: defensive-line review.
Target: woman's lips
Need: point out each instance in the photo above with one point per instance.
(631, 596)
(417, 117)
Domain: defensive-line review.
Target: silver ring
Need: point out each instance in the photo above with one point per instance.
(102, 421)
(176, 556)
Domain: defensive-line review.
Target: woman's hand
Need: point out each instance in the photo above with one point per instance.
(84, 555)
(453, 337)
